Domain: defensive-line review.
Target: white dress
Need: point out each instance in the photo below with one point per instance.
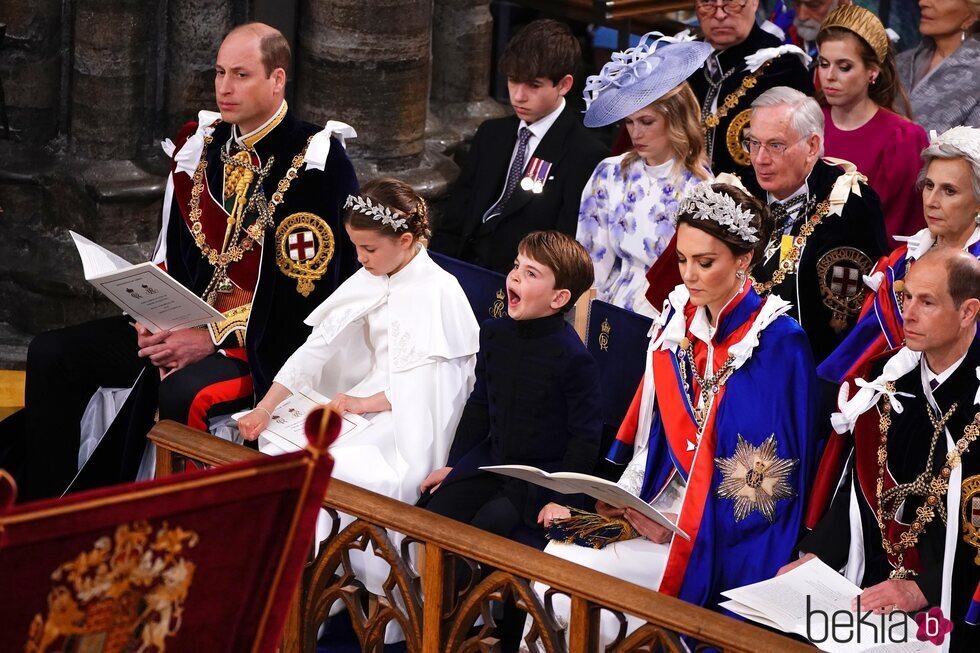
(625, 224)
(412, 336)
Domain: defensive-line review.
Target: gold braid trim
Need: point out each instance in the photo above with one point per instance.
(235, 321)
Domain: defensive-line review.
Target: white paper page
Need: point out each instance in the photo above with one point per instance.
(597, 488)
(96, 259)
(783, 600)
(155, 299)
(287, 428)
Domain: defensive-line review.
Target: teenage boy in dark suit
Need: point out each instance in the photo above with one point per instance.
(525, 172)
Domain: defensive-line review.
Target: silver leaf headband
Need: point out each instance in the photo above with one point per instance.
(705, 204)
(377, 211)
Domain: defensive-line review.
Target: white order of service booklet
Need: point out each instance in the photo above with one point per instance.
(595, 487)
(287, 427)
(814, 601)
(144, 291)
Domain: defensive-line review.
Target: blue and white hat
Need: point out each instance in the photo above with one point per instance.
(638, 76)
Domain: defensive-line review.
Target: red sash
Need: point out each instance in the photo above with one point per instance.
(680, 429)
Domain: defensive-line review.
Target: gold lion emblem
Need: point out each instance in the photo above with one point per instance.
(126, 594)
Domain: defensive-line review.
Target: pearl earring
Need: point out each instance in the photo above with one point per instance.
(740, 274)
(976, 218)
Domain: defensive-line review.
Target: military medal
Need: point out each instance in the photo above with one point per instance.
(536, 176)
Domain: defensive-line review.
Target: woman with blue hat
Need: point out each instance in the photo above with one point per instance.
(628, 206)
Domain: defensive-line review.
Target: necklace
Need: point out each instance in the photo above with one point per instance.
(232, 250)
(712, 120)
(933, 488)
(709, 386)
(788, 264)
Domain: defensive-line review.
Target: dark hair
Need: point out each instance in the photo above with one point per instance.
(887, 91)
(567, 259)
(272, 45)
(544, 48)
(403, 202)
(762, 222)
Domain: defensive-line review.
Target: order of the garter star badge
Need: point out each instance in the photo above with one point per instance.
(839, 273)
(126, 594)
(304, 248)
(755, 478)
(971, 514)
(734, 136)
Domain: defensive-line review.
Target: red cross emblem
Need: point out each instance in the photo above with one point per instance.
(845, 281)
(302, 245)
(975, 512)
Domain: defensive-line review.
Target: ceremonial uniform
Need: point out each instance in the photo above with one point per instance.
(561, 162)
(721, 434)
(894, 409)
(879, 327)
(831, 234)
(229, 197)
(731, 80)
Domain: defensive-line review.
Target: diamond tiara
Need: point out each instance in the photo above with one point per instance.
(705, 204)
(377, 211)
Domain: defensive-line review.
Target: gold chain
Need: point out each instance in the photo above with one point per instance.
(934, 490)
(235, 250)
(712, 120)
(788, 264)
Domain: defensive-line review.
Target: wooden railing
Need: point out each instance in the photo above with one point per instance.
(425, 604)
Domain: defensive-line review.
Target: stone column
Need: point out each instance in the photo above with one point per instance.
(461, 52)
(109, 78)
(194, 32)
(367, 64)
(30, 67)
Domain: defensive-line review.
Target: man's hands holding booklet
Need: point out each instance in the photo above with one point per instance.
(885, 597)
(173, 350)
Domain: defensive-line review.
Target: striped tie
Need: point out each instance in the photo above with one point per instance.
(516, 168)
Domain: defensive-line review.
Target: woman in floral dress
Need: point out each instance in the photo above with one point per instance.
(626, 218)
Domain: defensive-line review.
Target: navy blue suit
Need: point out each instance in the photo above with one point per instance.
(536, 402)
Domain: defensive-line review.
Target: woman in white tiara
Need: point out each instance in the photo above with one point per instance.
(626, 218)
(395, 343)
(720, 433)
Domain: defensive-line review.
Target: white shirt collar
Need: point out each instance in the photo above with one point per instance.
(804, 189)
(540, 127)
(923, 240)
(940, 378)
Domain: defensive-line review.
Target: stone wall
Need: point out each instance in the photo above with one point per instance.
(92, 86)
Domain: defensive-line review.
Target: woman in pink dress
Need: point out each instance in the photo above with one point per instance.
(860, 85)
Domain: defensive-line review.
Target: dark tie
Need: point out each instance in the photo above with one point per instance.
(934, 383)
(513, 176)
(778, 212)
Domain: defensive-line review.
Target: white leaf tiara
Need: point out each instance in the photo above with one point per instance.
(705, 204)
(965, 139)
(376, 211)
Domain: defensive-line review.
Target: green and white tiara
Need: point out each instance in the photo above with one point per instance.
(705, 204)
(377, 211)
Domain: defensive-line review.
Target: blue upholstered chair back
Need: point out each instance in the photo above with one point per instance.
(485, 289)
